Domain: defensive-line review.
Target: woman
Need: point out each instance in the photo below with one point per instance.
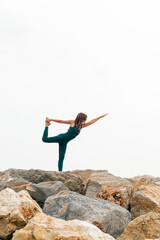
(75, 128)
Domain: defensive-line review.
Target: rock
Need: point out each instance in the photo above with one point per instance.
(71, 181)
(15, 210)
(39, 192)
(17, 184)
(112, 188)
(47, 189)
(85, 174)
(109, 217)
(143, 180)
(42, 227)
(145, 199)
(142, 227)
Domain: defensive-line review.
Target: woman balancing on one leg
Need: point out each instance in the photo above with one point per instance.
(75, 128)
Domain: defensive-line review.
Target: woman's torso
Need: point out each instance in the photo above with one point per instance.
(73, 128)
(72, 132)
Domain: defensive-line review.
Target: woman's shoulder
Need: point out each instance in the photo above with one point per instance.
(72, 123)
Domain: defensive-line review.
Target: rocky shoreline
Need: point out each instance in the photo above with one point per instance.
(78, 205)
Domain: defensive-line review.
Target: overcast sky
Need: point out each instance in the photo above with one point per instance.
(59, 58)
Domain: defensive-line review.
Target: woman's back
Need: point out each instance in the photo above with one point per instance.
(72, 132)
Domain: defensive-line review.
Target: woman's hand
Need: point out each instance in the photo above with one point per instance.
(47, 122)
(103, 115)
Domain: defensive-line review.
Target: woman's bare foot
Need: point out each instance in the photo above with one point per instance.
(47, 122)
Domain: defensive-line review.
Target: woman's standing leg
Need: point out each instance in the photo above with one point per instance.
(62, 151)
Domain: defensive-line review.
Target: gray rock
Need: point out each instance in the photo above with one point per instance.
(108, 216)
(71, 181)
(46, 189)
(2, 185)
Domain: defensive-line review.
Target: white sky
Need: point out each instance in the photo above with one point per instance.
(59, 58)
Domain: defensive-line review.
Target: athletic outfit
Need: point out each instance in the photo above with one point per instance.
(62, 139)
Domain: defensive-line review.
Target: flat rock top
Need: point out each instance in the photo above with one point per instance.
(85, 174)
(105, 177)
(144, 178)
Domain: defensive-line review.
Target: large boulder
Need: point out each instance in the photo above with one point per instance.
(71, 181)
(108, 216)
(43, 227)
(142, 227)
(15, 211)
(112, 188)
(145, 199)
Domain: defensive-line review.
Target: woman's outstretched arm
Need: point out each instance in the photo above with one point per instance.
(93, 121)
(61, 121)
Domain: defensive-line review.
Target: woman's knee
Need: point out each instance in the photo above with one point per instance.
(44, 139)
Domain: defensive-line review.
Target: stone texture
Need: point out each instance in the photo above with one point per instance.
(46, 189)
(144, 180)
(15, 210)
(39, 192)
(109, 217)
(145, 199)
(43, 227)
(17, 184)
(142, 227)
(73, 182)
(112, 188)
(85, 174)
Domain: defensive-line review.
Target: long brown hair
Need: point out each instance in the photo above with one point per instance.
(79, 119)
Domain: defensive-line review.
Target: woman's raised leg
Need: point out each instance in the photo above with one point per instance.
(45, 137)
(62, 151)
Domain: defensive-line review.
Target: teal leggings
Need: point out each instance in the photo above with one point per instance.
(62, 145)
